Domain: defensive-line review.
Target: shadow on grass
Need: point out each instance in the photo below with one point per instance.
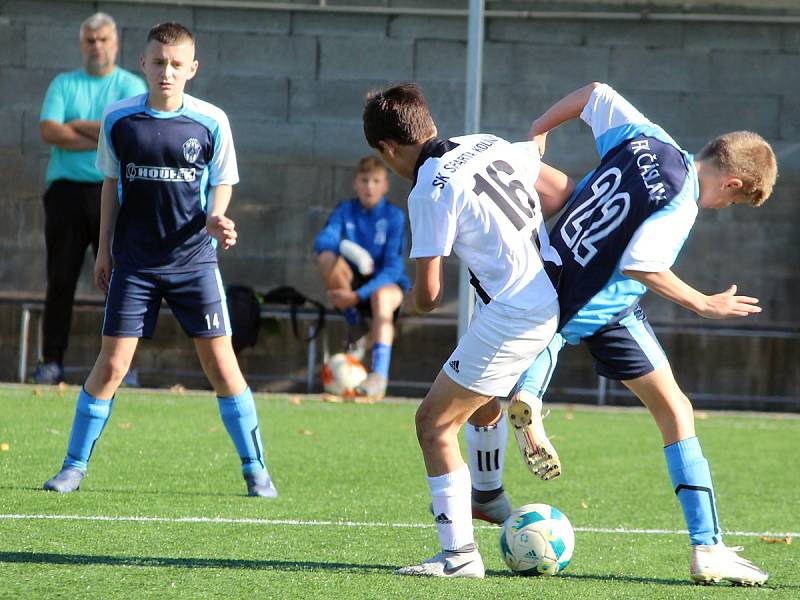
(631, 579)
(44, 558)
(128, 492)
(187, 563)
(595, 577)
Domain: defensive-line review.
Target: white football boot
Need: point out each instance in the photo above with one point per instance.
(711, 564)
(525, 415)
(449, 564)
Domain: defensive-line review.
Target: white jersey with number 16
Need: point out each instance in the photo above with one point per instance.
(474, 195)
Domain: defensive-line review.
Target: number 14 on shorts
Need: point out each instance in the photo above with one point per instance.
(212, 321)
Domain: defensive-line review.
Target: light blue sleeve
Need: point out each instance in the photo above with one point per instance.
(53, 108)
(612, 118)
(657, 242)
(106, 160)
(223, 167)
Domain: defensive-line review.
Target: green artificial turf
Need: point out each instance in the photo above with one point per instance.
(353, 504)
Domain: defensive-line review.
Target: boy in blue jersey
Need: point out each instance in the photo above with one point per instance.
(619, 236)
(360, 255)
(169, 166)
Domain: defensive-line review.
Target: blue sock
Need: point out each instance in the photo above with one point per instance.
(536, 379)
(381, 358)
(351, 316)
(91, 416)
(241, 421)
(691, 480)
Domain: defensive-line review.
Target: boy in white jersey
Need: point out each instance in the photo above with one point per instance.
(473, 195)
(619, 236)
(169, 167)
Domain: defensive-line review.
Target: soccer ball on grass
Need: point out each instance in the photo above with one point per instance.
(537, 539)
(342, 374)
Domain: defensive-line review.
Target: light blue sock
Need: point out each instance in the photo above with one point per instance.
(691, 480)
(536, 379)
(91, 416)
(241, 421)
(381, 359)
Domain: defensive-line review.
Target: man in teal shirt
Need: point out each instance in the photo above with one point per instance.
(70, 123)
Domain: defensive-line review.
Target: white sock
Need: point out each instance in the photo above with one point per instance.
(452, 507)
(486, 449)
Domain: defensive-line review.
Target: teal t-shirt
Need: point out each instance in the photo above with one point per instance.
(78, 95)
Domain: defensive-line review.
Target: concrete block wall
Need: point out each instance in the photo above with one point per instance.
(293, 84)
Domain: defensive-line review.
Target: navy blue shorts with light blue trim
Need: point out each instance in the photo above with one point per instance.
(626, 348)
(197, 299)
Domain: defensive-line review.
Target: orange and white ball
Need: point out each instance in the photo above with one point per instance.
(342, 374)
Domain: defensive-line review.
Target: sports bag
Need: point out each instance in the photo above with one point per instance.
(244, 308)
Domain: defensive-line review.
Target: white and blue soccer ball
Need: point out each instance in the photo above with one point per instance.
(537, 539)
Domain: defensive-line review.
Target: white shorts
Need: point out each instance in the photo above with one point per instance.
(498, 348)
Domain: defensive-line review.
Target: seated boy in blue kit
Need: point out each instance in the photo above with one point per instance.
(619, 236)
(169, 166)
(360, 256)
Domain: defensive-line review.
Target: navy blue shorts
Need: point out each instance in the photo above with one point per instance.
(197, 300)
(626, 348)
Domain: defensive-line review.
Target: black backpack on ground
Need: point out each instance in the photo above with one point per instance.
(244, 308)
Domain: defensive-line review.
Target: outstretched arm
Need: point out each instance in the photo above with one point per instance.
(566, 109)
(717, 306)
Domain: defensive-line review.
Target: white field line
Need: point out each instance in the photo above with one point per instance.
(313, 523)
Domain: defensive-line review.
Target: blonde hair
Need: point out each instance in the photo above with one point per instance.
(749, 157)
(368, 164)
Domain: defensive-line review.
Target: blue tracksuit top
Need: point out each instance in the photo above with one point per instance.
(381, 231)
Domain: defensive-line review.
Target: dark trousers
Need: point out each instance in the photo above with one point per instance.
(71, 225)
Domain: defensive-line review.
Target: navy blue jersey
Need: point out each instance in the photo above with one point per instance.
(634, 211)
(166, 165)
(381, 231)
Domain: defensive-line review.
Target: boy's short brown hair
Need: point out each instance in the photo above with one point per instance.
(170, 34)
(749, 157)
(399, 113)
(370, 164)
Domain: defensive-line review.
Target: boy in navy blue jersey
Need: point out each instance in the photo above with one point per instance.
(360, 255)
(619, 236)
(169, 167)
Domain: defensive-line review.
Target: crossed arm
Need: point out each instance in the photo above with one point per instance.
(76, 135)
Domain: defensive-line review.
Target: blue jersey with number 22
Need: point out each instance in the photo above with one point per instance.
(634, 211)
